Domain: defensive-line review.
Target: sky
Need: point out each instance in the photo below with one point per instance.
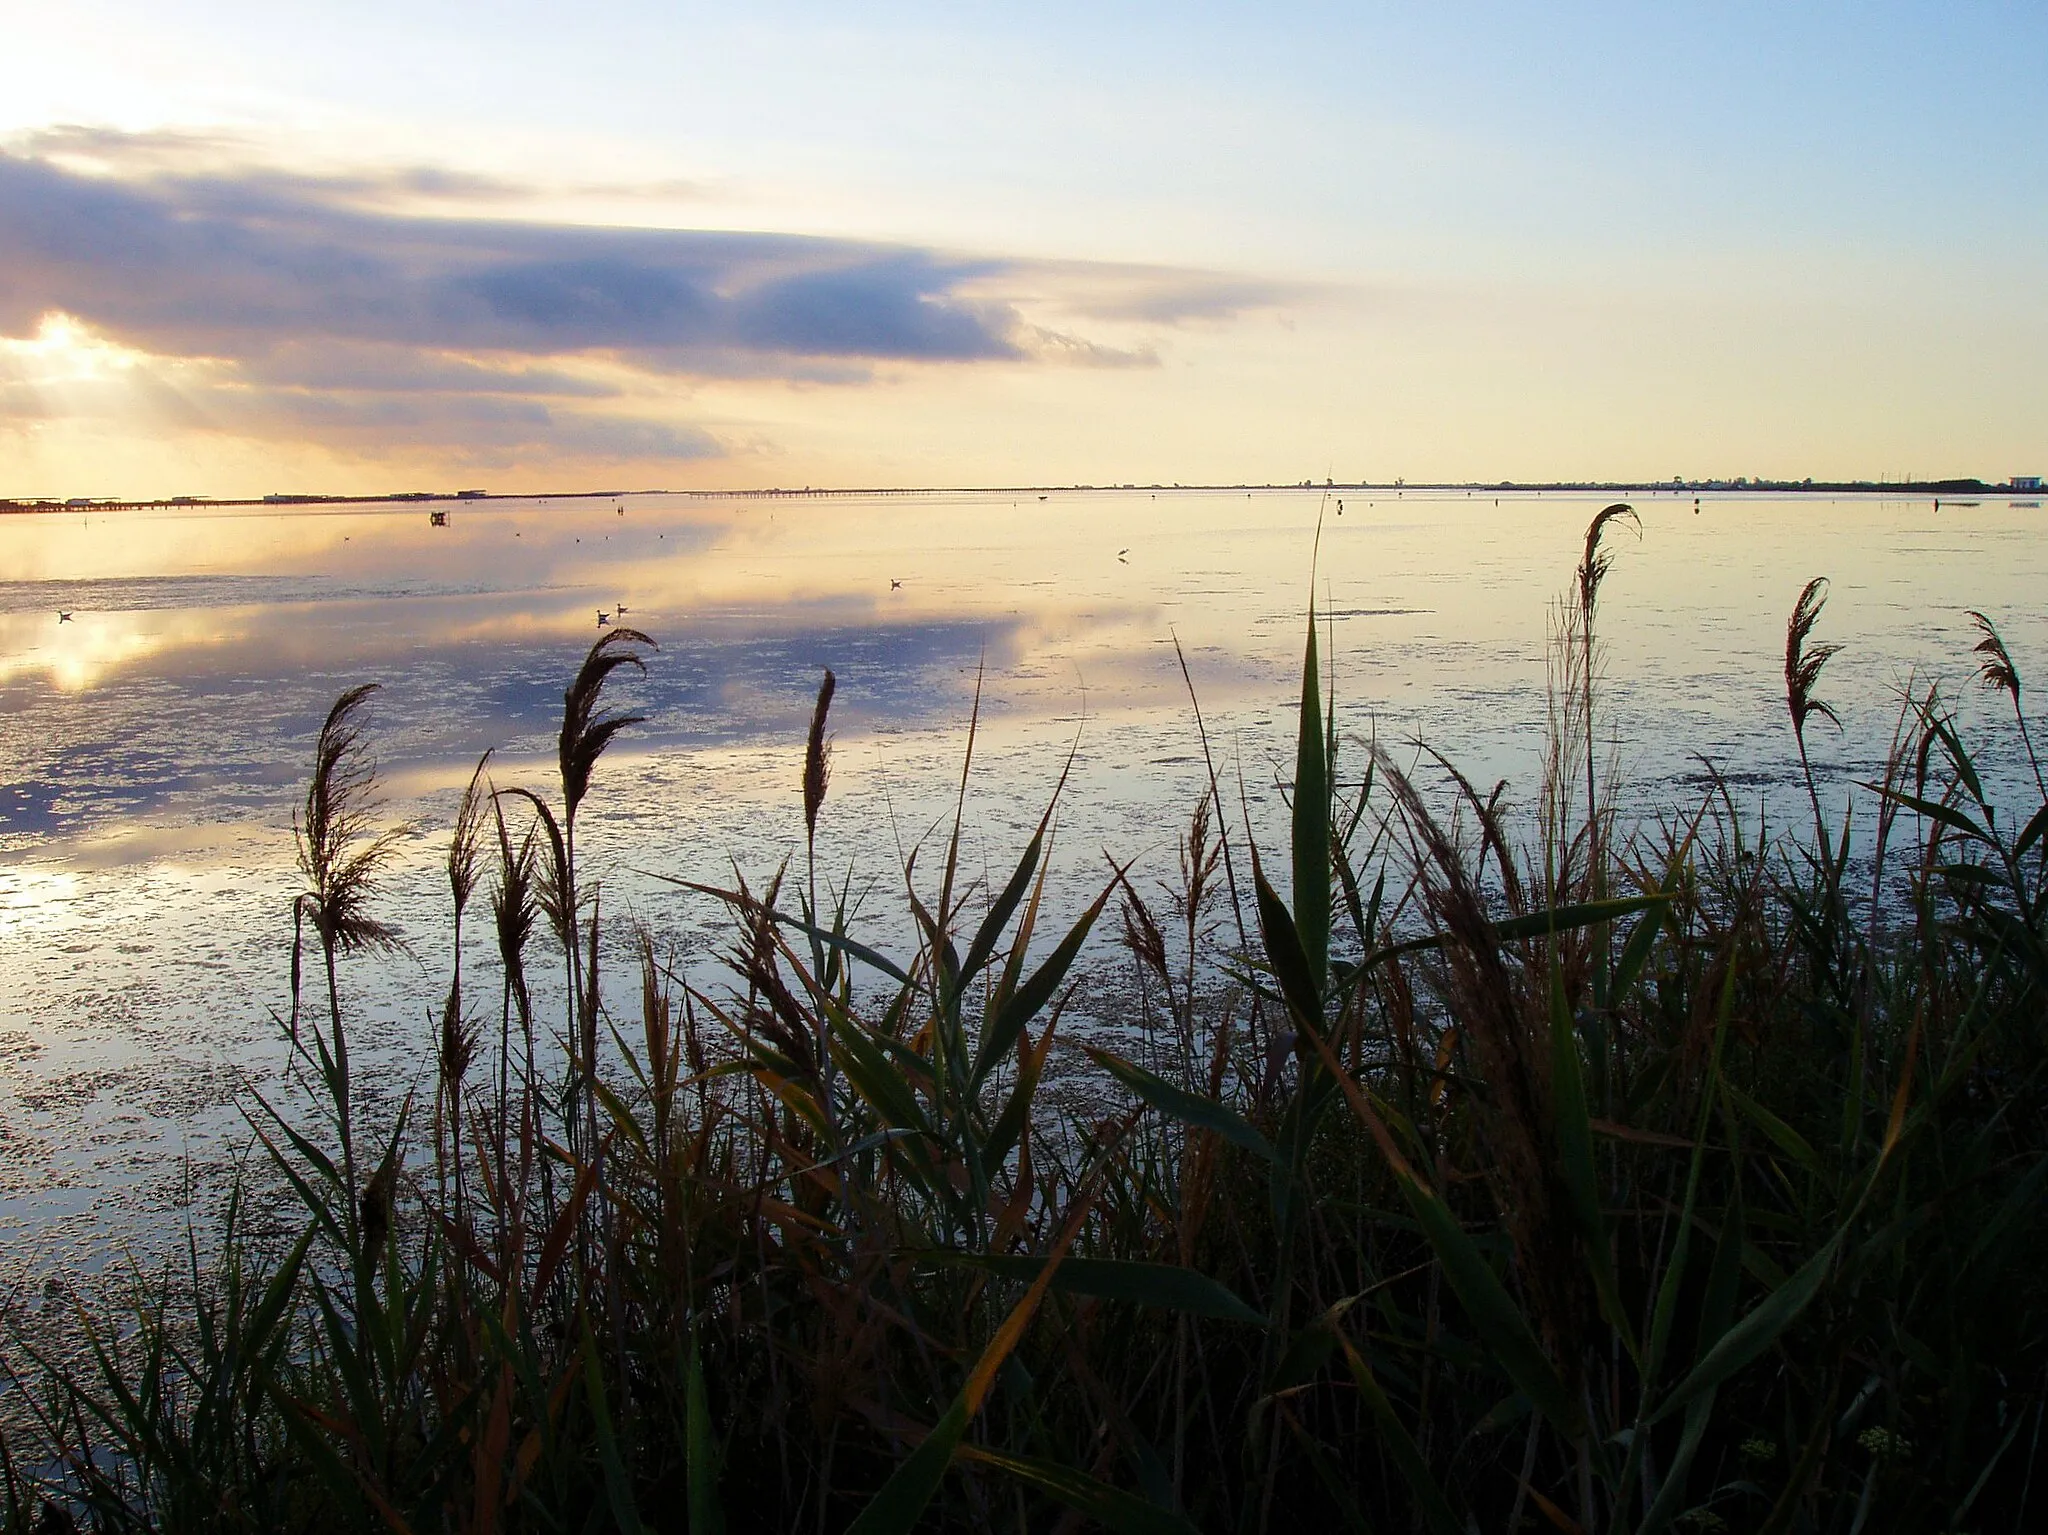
(257, 247)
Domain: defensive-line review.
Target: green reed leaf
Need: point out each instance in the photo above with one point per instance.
(1757, 1331)
(1035, 992)
(1166, 1286)
(2037, 824)
(1494, 1314)
(1780, 1134)
(1635, 954)
(1179, 1103)
(618, 1486)
(1311, 823)
(1933, 810)
(1006, 903)
(700, 1451)
(1294, 967)
(1401, 1446)
(1574, 1128)
(1111, 1507)
(900, 1503)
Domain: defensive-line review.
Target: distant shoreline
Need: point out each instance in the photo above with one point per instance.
(1896, 488)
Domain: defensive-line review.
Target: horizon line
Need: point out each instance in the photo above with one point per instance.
(2016, 485)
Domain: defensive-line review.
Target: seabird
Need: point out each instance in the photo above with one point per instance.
(63, 617)
(1121, 553)
(603, 618)
(895, 585)
(621, 610)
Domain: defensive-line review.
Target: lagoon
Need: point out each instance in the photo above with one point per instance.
(153, 747)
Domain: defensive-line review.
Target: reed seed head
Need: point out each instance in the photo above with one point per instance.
(513, 905)
(375, 1205)
(458, 1043)
(465, 848)
(338, 856)
(818, 757)
(1593, 564)
(587, 729)
(1142, 937)
(1997, 671)
(1803, 663)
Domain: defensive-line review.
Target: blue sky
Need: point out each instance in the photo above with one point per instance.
(795, 243)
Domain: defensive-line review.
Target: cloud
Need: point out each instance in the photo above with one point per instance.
(168, 276)
(186, 154)
(1156, 295)
(476, 422)
(390, 369)
(222, 266)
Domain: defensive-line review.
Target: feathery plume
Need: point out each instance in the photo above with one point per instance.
(586, 729)
(1593, 564)
(818, 757)
(338, 857)
(1803, 663)
(513, 906)
(1997, 671)
(465, 848)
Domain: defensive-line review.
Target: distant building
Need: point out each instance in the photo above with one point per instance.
(2026, 482)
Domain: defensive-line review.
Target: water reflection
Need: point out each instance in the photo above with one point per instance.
(152, 748)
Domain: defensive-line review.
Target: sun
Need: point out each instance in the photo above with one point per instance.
(66, 351)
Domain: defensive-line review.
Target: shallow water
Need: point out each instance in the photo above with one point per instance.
(152, 748)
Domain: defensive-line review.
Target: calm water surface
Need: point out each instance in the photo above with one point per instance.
(152, 748)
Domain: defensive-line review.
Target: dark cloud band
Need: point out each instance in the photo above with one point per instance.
(286, 306)
(224, 267)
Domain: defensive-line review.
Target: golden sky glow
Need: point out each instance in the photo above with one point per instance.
(377, 247)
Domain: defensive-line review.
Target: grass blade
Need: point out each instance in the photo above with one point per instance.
(1108, 1506)
(1167, 1286)
(1178, 1103)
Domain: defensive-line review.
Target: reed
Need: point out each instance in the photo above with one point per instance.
(1593, 1176)
(1803, 665)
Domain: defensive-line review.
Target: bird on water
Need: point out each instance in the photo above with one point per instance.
(63, 617)
(603, 618)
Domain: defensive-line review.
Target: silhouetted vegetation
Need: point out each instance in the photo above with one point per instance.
(1567, 1174)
